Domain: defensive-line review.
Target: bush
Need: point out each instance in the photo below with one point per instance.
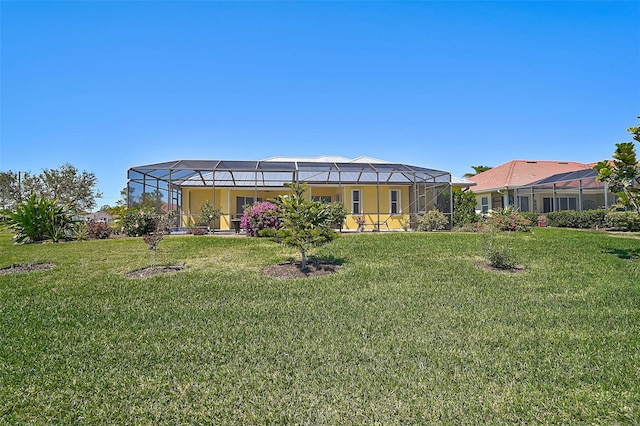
(139, 221)
(98, 230)
(531, 216)
(509, 219)
(586, 219)
(198, 231)
(623, 221)
(479, 226)
(38, 219)
(337, 213)
(464, 208)
(261, 215)
(499, 256)
(79, 230)
(433, 220)
(207, 214)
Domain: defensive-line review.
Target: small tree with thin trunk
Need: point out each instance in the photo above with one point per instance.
(305, 224)
(154, 237)
(622, 174)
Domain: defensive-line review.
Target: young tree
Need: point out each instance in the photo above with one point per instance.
(305, 224)
(622, 174)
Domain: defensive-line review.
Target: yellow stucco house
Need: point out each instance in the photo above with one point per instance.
(387, 196)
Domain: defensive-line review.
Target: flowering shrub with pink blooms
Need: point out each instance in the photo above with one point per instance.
(509, 219)
(260, 216)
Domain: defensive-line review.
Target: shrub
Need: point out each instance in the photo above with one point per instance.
(623, 221)
(261, 215)
(585, 219)
(508, 219)
(480, 226)
(337, 213)
(79, 230)
(38, 219)
(464, 208)
(433, 220)
(207, 214)
(499, 256)
(532, 217)
(116, 227)
(139, 221)
(98, 230)
(198, 231)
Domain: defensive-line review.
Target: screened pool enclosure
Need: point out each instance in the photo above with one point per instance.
(384, 195)
(577, 190)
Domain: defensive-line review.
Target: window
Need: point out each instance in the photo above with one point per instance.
(394, 199)
(566, 203)
(497, 203)
(355, 202)
(242, 203)
(484, 207)
(321, 198)
(523, 205)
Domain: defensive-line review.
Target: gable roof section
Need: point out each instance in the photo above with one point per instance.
(521, 172)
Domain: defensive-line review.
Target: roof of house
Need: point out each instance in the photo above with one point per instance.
(462, 182)
(521, 172)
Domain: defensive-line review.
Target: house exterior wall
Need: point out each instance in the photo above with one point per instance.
(372, 197)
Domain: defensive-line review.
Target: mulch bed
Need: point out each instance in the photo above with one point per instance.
(153, 271)
(291, 269)
(488, 267)
(28, 267)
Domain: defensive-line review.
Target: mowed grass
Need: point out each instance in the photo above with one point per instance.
(410, 331)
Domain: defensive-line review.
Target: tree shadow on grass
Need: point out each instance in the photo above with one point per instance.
(626, 254)
(316, 266)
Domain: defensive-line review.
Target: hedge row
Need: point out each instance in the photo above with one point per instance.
(586, 219)
(623, 221)
(593, 219)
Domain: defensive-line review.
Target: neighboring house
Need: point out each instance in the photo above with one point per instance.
(99, 217)
(386, 195)
(505, 185)
(461, 183)
(577, 190)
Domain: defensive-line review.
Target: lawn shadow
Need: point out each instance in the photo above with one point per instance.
(339, 261)
(316, 266)
(626, 254)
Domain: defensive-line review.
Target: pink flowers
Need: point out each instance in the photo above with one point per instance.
(261, 215)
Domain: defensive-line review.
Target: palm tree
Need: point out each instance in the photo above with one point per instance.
(478, 170)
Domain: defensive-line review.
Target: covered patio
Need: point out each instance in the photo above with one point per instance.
(577, 190)
(380, 192)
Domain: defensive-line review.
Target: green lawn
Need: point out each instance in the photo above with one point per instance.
(410, 331)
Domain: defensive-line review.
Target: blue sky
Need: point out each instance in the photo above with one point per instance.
(110, 85)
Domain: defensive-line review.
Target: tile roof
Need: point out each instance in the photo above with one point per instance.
(521, 172)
